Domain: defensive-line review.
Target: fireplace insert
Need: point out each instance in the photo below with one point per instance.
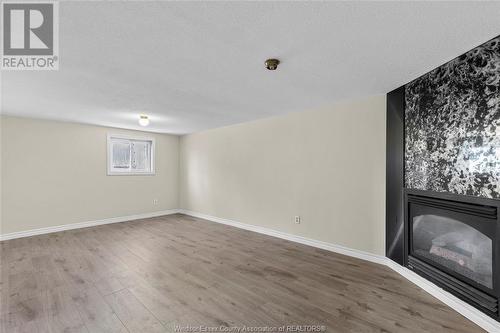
(453, 241)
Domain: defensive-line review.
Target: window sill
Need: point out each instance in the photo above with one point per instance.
(131, 173)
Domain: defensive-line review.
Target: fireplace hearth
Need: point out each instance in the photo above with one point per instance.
(453, 240)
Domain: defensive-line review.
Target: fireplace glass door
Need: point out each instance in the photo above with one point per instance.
(454, 245)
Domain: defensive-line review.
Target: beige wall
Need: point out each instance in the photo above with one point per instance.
(1, 177)
(328, 166)
(54, 173)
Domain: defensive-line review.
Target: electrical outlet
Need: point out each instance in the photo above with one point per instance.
(155, 201)
(297, 219)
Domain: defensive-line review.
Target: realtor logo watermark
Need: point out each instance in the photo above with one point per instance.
(30, 36)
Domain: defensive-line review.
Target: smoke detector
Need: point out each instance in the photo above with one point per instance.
(272, 64)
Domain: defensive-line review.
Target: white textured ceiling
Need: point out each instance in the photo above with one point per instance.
(192, 66)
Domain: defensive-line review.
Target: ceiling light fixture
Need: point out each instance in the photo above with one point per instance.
(143, 120)
(272, 64)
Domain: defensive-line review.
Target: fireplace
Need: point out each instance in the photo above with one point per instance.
(453, 240)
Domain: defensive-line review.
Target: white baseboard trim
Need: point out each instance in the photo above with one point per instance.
(298, 239)
(86, 224)
(452, 301)
(455, 303)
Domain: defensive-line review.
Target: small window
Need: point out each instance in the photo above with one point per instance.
(130, 156)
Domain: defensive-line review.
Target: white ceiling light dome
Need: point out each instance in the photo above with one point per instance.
(143, 120)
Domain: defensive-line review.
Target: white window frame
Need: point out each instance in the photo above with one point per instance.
(129, 173)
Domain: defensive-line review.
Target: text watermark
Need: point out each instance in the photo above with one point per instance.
(238, 329)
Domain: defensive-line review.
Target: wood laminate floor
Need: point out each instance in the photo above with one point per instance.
(151, 275)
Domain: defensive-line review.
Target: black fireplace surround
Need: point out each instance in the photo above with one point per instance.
(453, 241)
(443, 177)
